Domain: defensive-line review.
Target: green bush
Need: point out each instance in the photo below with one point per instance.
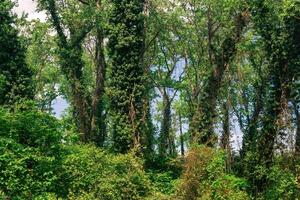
(29, 153)
(205, 177)
(229, 187)
(35, 163)
(92, 173)
(162, 182)
(282, 184)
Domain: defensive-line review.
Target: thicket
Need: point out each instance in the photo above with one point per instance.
(38, 161)
(156, 90)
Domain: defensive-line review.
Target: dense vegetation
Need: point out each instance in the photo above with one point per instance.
(157, 91)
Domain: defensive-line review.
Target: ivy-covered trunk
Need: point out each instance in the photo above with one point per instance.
(225, 138)
(126, 46)
(72, 66)
(71, 63)
(281, 37)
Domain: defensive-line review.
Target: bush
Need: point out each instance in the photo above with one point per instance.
(92, 173)
(229, 187)
(282, 184)
(205, 178)
(162, 182)
(34, 164)
(29, 153)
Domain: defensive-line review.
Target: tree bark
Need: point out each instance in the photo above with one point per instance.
(98, 117)
(72, 66)
(297, 139)
(225, 139)
(164, 145)
(181, 136)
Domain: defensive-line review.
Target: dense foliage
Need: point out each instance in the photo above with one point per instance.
(15, 75)
(166, 100)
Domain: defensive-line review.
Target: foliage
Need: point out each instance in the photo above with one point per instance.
(126, 90)
(16, 76)
(35, 163)
(283, 184)
(205, 178)
(162, 182)
(30, 153)
(181, 73)
(92, 173)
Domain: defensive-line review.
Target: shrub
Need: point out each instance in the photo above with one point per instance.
(229, 187)
(282, 184)
(92, 173)
(29, 153)
(205, 178)
(34, 164)
(162, 182)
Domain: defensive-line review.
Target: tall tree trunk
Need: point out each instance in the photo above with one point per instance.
(126, 45)
(147, 138)
(249, 139)
(98, 117)
(181, 136)
(73, 70)
(72, 67)
(297, 140)
(164, 135)
(225, 139)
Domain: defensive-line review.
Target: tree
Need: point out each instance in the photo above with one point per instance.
(277, 25)
(218, 57)
(41, 56)
(15, 75)
(126, 46)
(72, 28)
(167, 71)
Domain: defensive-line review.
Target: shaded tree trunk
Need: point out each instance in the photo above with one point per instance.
(181, 136)
(72, 68)
(225, 138)
(70, 51)
(249, 139)
(164, 137)
(98, 127)
(147, 138)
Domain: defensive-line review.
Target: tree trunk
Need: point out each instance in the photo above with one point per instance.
(127, 84)
(164, 136)
(73, 72)
(297, 142)
(225, 139)
(72, 67)
(249, 139)
(98, 129)
(181, 136)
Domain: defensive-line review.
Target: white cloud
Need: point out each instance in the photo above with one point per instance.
(29, 7)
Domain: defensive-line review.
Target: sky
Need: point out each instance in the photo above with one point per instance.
(29, 7)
